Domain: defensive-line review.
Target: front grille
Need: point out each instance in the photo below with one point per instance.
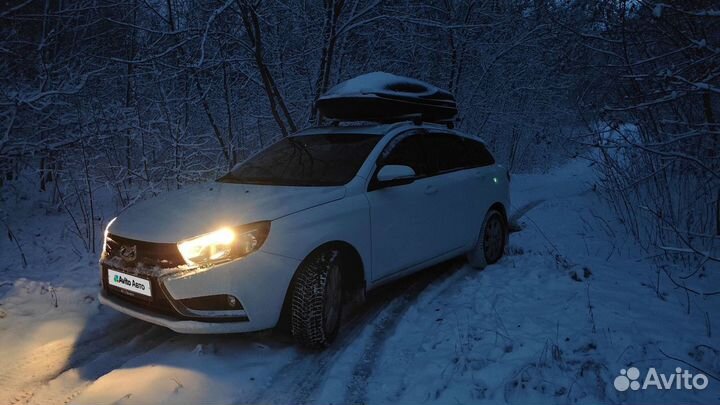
(165, 255)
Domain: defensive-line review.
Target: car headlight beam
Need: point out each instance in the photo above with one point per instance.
(224, 244)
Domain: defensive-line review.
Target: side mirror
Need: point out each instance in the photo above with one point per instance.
(394, 175)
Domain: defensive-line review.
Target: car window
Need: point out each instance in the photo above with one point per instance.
(407, 150)
(478, 153)
(306, 160)
(447, 152)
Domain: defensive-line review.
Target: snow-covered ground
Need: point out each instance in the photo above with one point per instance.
(571, 304)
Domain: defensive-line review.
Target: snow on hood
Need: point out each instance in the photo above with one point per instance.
(195, 210)
(382, 82)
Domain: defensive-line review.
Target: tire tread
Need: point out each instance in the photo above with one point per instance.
(307, 315)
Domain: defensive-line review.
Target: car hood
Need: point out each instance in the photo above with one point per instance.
(195, 210)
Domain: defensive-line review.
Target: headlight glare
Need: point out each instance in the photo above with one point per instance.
(224, 244)
(105, 235)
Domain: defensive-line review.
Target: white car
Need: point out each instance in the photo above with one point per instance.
(306, 225)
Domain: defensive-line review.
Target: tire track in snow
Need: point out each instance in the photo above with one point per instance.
(520, 212)
(307, 372)
(29, 374)
(41, 365)
(304, 373)
(385, 327)
(98, 362)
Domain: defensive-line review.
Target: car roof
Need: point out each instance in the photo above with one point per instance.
(376, 129)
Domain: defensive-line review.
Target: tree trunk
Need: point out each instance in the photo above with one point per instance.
(333, 8)
(252, 27)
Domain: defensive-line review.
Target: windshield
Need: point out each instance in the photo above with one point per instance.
(309, 160)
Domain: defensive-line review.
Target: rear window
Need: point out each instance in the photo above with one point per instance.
(447, 152)
(308, 160)
(450, 152)
(478, 153)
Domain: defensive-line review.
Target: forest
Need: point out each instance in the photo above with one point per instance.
(139, 96)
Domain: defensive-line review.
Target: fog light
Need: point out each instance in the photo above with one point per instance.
(220, 302)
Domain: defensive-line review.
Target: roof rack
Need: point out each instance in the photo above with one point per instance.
(416, 119)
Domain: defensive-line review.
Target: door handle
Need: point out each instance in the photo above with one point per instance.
(431, 190)
(482, 176)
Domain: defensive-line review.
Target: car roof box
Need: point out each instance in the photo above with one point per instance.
(385, 97)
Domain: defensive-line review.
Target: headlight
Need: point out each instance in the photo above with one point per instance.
(224, 244)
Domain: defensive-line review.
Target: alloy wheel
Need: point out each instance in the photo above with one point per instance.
(493, 239)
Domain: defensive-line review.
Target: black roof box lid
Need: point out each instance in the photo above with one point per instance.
(385, 97)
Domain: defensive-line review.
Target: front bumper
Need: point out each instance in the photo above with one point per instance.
(178, 325)
(259, 281)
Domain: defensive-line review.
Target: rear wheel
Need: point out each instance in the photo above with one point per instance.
(490, 245)
(317, 299)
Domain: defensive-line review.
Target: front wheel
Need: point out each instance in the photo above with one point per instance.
(490, 244)
(317, 299)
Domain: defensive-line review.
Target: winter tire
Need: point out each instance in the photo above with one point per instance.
(490, 244)
(317, 299)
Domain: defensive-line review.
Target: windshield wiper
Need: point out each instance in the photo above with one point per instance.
(228, 178)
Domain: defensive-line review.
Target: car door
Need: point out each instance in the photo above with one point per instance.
(451, 165)
(484, 188)
(403, 217)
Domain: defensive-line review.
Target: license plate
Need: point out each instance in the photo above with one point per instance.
(129, 283)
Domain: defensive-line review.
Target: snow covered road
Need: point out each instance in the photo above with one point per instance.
(571, 304)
